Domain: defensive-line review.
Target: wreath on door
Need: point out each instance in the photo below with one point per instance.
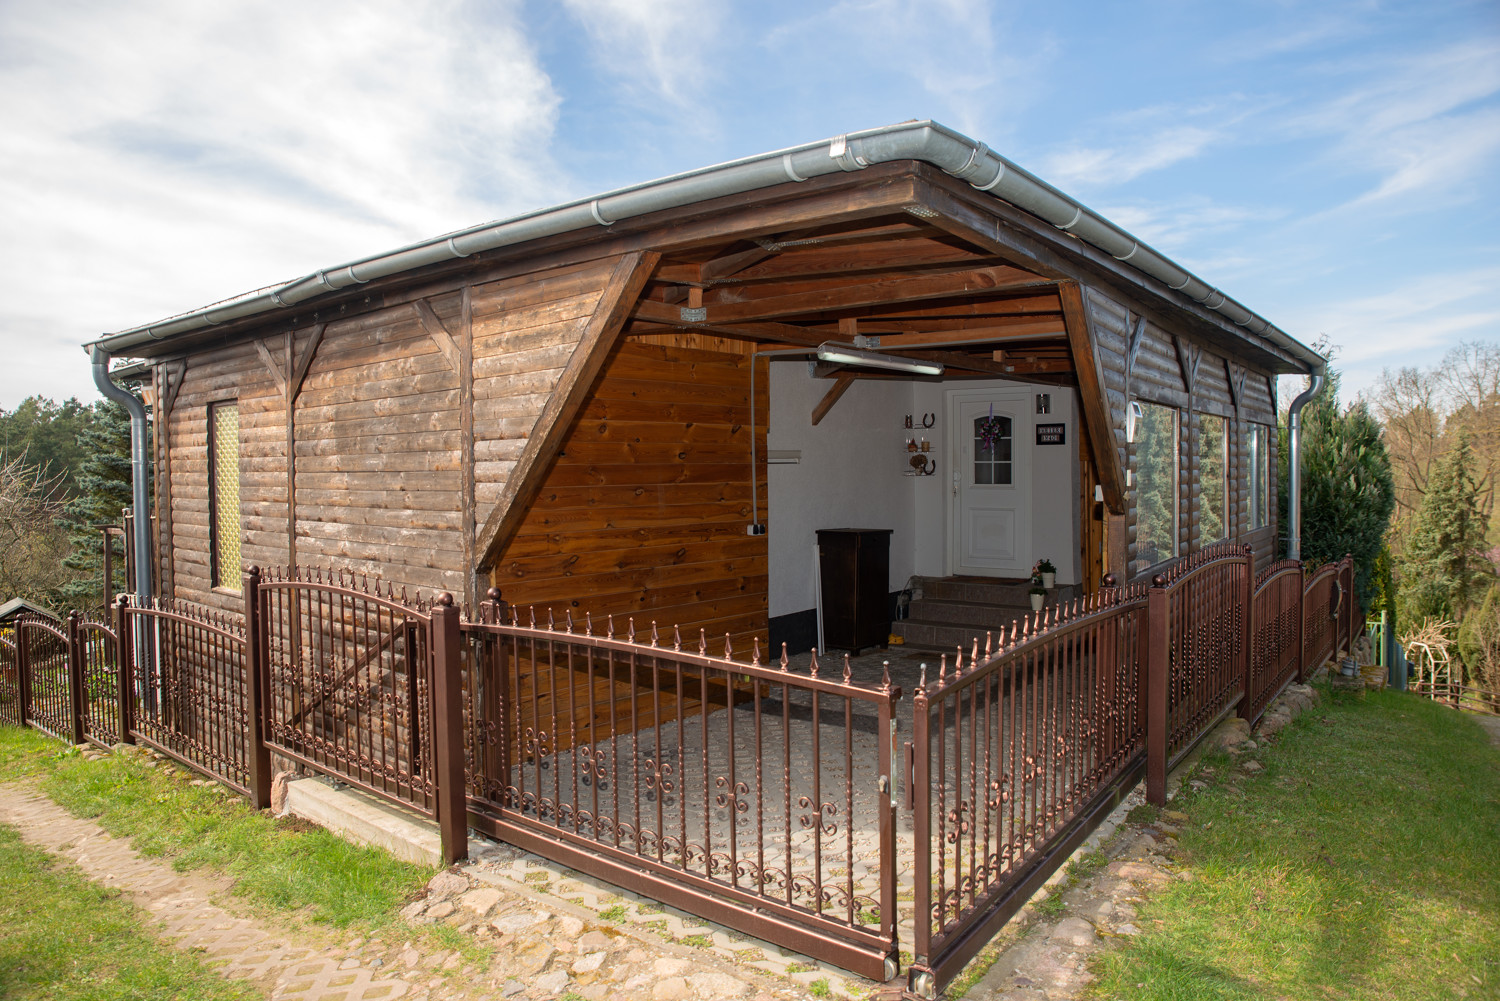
(991, 430)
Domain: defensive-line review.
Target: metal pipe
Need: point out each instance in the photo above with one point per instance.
(1294, 467)
(925, 141)
(138, 468)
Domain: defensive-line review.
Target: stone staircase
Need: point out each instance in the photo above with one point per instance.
(954, 611)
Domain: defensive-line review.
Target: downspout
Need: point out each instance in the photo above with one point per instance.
(138, 470)
(1294, 465)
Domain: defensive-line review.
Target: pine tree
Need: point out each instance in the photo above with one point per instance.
(1445, 570)
(103, 490)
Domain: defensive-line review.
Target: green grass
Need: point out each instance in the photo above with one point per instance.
(282, 865)
(64, 937)
(1362, 863)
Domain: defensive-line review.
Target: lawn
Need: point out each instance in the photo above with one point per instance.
(278, 866)
(64, 937)
(1363, 862)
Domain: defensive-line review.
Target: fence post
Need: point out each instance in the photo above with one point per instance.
(76, 699)
(23, 672)
(124, 670)
(1301, 623)
(890, 784)
(919, 801)
(1247, 632)
(448, 736)
(257, 758)
(1158, 678)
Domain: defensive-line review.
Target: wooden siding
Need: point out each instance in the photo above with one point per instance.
(644, 512)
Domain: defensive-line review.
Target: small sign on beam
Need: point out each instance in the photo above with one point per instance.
(1051, 434)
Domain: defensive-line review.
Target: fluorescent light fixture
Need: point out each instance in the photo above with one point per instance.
(843, 354)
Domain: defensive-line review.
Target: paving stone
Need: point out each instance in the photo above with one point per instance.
(511, 988)
(551, 983)
(446, 884)
(1128, 929)
(671, 989)
(1075, 932)
(717, 985)
(441, 910)
(569, 925)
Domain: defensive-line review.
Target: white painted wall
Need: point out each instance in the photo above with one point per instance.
(851, 476)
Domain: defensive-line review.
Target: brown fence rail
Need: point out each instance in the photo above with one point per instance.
(1015, 760)
(1470, 698)
(1275, 635)
(46, 686)
(741, 792)
(97, 654)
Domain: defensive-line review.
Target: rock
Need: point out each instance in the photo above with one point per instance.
(1075, 932)
(410, 957)
(440, 910)
(480, 901)
(669, 967)
(1232, 732)
(1175, 816)
(511, 988)
(589, 962)
(413, 910)
(1128, 929)
(1142, 845)
(1136, 872)
(1253, 766)
(671, 989)
(595, 940)
(511, 923)
(1097, 909)
(636, 982)
(349, 964)
(551, 983)
(534, 958)
(278, 792)
(569, 925)
(446, 884)
(713, 984)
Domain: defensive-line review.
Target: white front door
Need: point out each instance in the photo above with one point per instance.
(989, 523)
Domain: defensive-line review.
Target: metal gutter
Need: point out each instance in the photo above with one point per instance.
(139, 470)
(925, 141)
(1294, 467)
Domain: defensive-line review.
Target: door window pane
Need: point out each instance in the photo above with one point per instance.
(1155, 486)
(1213, 521)
(992, 450)
(1258, 442)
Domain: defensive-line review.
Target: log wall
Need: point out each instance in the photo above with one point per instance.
(1140, 359)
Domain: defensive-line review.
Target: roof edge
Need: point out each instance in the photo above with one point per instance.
(925, 141)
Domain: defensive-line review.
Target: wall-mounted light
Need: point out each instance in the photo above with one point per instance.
(842, 354)
(1044, 403)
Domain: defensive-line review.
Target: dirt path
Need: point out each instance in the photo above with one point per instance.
(1491, 725)
(236, 946)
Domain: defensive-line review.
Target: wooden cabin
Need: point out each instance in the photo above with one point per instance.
(645, 404)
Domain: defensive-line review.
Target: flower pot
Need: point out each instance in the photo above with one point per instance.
(1036, 602)
(1049, 580)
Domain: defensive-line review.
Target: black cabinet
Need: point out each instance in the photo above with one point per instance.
(854, 569)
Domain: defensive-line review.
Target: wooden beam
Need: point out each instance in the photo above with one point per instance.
(975, 335)
(1091, 393)
(839, 296)
(620, 294)
(304, 360)
(838, 389)
(439, 333)
(467, 499)
(270, 363)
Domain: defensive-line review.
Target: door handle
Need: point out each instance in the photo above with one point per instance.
(955, 482)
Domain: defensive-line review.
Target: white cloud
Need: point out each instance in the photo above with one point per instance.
(161, 155)
(658, 46)
(1093, 165)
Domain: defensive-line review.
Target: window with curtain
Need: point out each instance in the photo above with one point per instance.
(1213, 484)
(224, 486)
(1155, 486)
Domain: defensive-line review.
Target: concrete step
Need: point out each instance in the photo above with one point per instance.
(941, 636)
(980, 592)
(359, 817)
(967, 613)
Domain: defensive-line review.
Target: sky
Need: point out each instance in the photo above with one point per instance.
(1334, 166)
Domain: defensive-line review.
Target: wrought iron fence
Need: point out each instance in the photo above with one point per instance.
(743, 792)
(1015, 760)
(97, 655)
(1276, 635)
(46, 686)
(12, 706)
(190, 678)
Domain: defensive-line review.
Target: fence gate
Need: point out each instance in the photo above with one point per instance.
(347, 685)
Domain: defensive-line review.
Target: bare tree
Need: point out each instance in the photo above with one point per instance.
(32, 544)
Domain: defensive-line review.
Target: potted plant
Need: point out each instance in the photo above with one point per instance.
(1038, 592)
(1044, 573)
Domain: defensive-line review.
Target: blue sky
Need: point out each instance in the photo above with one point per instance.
(1334, 166)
